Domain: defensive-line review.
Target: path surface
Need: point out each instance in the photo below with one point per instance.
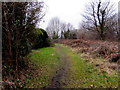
(58, 80)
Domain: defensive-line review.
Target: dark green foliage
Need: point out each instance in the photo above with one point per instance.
(41, 39)
(55, 35)
(66, 34)
(69, 35)
(18, 23)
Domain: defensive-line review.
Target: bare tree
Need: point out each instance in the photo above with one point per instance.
(63, 29)
(54, 27)
(66, 28)
(118, 33)
(112, 27)
(69, 26)
(97, 15)
(57, 29)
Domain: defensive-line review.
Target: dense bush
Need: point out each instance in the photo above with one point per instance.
(69, 34)
(19, 20)
(41, 39)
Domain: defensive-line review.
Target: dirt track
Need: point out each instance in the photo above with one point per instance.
(58, 80)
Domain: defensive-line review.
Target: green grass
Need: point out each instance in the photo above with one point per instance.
(85, 75)
(81, 74)
(46, 61)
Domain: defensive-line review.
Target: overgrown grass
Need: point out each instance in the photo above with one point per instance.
(46, 61)
(83, 74)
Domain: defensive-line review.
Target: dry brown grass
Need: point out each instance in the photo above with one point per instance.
(104, 54)
(98, 48)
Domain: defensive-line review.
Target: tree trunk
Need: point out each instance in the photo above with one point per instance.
(9, 38)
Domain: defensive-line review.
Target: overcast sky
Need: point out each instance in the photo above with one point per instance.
(68, 11)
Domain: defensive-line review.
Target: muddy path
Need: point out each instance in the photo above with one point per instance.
(59, 79)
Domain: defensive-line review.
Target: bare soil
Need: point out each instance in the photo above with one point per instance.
(58, 81)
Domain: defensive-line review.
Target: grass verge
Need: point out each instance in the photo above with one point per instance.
(84, 74)
(46, 61)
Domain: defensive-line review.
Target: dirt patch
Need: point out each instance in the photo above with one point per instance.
(58, 81)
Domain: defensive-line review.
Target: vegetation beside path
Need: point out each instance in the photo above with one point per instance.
(46, 61)
(51, 62)
(84, 74)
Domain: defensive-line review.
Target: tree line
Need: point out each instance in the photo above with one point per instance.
(100, 22)
(58, 29)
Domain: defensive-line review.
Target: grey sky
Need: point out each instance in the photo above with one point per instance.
(66, 10)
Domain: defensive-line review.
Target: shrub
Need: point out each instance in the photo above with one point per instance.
(41, 39)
